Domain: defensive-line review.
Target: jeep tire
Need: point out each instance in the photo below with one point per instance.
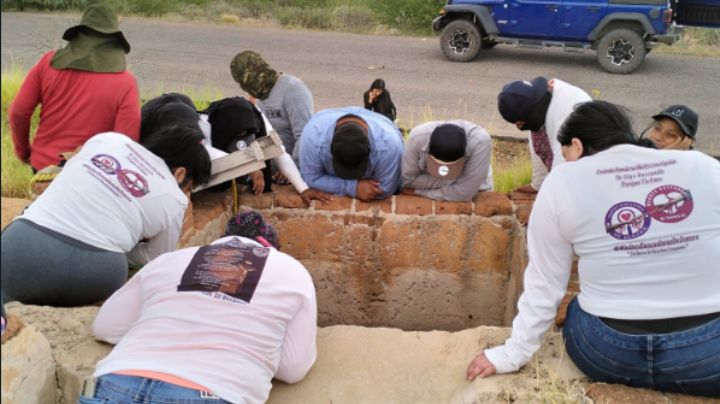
(460, 41)
(621, 51)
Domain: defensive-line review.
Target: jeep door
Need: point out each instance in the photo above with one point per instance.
(531, 18)
(579, 17)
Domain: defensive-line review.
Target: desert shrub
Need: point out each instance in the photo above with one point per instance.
(353, 18)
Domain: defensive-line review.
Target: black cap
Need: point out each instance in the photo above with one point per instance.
(683, 115)
(350, 149)
(517, 99)
(448, 142)
(233, 120)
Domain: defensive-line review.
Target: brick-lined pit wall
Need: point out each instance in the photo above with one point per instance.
(406, 262)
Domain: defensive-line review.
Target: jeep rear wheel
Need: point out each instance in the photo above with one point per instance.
(460, 41)
(621, 51)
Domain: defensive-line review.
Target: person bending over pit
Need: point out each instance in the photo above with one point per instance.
(233, 124)
(646, 228)
(540, 107)
(351, 151)
(210, 324)
(447, 161)
(284, 99)
(115, 202)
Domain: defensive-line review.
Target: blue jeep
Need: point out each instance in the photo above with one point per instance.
(621, 31)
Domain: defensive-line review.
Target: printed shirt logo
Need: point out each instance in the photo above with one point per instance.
(627, 220)
(130, 180)
(666, 204)
(232, 269)
(669, 203)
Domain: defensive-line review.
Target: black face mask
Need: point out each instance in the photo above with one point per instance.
(536, 119)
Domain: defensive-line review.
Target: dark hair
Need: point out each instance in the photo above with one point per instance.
(378, 83)
(167, 110)
(181, 146)
(599, 125)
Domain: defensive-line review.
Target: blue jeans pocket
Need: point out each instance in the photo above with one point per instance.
(706, 386)
(591, 362)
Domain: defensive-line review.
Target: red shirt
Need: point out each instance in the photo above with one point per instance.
(76, 105)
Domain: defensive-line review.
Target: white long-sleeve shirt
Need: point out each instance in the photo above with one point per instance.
(180, 316)
(661, 265)
(285, 163)
(564, 98)
(111, 195)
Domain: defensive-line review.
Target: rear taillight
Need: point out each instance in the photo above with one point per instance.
(667, 16)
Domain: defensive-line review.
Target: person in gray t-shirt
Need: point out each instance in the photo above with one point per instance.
(447, 161)
(284, 99)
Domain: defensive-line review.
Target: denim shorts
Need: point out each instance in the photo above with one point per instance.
(121, 389)
(684, 361)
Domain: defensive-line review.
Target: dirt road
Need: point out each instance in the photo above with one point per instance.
(177, 56)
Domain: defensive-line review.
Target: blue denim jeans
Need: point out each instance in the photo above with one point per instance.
(684, 361)
(121, 389)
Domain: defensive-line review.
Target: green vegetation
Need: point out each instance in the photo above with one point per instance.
(15, 176)
(410, 17)
(406, 16)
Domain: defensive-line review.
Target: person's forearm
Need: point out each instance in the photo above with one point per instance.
(288, 168)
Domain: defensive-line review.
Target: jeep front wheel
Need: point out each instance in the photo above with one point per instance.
(460, 41)
(621, 51)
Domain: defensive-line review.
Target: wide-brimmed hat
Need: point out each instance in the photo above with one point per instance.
(683, 115)
(99, 18)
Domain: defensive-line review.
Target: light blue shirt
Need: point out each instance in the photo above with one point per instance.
(386, 150)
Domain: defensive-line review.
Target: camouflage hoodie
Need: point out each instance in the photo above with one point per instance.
(253, 74)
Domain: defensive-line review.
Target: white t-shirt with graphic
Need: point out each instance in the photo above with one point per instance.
(111, 195)
(645, 224)
(229, 317)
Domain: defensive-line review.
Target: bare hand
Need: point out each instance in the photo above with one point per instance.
(368, 189)
(528, 189)
(280, 179)
(408, 191)
(480, 366)
(258, 181)
(681, 143)
(310, 194)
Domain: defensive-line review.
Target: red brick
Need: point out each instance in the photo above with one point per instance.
(523, 214)
(338, 202)
(413, 205)
(488, 246)
(453, 208)
(489, 204)
(423, 242)
(521, 196)
(262, 201)
(384, 205)
(287, 197)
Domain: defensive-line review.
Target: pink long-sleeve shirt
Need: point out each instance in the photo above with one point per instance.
(76, 105)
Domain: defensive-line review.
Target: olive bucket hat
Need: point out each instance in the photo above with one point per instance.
(99, 18)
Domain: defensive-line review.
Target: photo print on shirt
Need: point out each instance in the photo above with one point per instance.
(232, 269)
